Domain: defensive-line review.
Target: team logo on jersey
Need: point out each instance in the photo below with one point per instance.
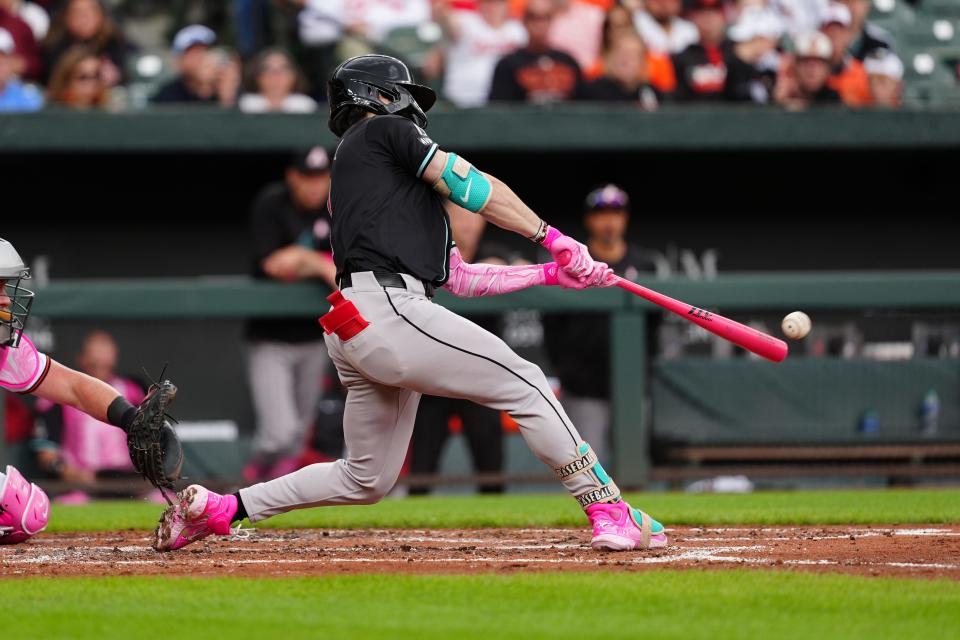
(424, 138)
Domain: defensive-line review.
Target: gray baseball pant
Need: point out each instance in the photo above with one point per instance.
(286, 382)
(413, 346)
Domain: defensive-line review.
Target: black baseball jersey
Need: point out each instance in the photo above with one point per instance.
(386, 219)
(701, 72)
(276, 222)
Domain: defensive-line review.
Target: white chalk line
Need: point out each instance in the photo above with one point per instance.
(324, 554)
(694, 536)
(510, 561)
(715, 554)
(877, 531)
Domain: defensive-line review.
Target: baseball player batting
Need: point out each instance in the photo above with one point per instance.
(154, 447)
(391, 343)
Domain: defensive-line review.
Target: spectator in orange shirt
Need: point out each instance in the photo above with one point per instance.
(659, 67)
(626, 77)
(848, 77)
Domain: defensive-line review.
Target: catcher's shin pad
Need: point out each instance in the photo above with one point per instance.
(154, 447)
(24, 507)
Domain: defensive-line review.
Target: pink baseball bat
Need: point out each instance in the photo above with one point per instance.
(739, 334)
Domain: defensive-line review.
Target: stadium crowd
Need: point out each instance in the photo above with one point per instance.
(274, 55)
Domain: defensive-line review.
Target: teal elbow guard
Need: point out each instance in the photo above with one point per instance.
(463, 185)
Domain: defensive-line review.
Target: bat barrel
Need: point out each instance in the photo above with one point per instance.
(741, 335)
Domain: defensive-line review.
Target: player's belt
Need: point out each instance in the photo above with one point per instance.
(391, 280)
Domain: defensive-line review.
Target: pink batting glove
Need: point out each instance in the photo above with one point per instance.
(571, 255)
(601, 276)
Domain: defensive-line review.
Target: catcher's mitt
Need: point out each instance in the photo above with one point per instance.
(154, 447)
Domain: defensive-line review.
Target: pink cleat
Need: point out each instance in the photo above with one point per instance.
(197, 514)
(619, 527)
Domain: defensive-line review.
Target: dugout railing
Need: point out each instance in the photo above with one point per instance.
(151, 303)
(565, 128)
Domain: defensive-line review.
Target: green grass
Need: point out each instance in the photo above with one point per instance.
(658, 605)
(770, 508)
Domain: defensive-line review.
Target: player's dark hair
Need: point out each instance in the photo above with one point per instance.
(349, 116)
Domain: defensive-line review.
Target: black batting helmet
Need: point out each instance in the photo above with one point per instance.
(360, 81)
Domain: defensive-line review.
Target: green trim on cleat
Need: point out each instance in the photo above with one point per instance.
(655, 527)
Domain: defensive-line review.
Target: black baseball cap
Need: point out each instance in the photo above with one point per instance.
(609, 196)
(312, 161)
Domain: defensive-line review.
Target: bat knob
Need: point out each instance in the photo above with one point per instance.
(563, 258)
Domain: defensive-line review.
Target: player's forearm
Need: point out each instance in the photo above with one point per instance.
(68, 387)
(319, 264)
(468, 280)
(506, 210)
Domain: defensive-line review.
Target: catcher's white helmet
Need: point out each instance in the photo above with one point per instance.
(13, 319)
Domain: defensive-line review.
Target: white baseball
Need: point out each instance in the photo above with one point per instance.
(796, 325)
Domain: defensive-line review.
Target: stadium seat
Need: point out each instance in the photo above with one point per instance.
(891, 14)
(940, 9)
(147, 71)
(929, 32)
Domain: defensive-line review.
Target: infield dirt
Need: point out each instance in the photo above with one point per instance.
(904, 551)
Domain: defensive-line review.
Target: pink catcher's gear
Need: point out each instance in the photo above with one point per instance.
(24, 508)
(619, 527)
(197, 514)
(23, 369)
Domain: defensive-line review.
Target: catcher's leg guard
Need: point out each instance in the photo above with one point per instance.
(604, 489)
(24, 508)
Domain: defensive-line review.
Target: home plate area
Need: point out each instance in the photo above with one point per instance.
(906, 551)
